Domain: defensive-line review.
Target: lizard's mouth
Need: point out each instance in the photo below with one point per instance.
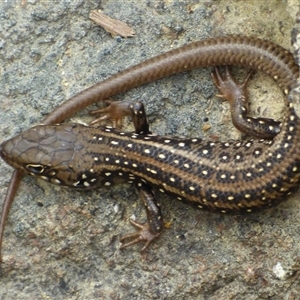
(5, 150)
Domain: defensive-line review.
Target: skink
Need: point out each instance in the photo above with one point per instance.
(227, 177)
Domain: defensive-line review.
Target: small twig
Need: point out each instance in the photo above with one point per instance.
(113, 26)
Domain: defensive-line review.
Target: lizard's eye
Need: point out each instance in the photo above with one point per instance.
(36, 169)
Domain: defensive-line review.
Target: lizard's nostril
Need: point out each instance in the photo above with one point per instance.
(2, 151)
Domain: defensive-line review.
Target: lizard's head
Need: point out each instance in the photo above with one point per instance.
(47, 152)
